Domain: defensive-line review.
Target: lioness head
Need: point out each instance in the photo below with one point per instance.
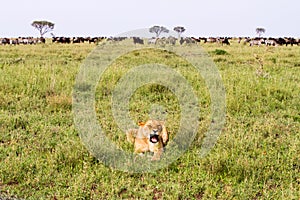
(150, 136)
(156, 131)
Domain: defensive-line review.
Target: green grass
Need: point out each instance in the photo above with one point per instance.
(256, 157)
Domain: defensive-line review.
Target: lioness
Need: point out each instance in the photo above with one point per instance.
(150, 136)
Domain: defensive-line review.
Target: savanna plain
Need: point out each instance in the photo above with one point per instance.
(256, 155)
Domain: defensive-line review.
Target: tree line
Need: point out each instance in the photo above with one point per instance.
(45, 26)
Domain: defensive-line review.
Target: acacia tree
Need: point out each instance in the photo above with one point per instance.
(158, 30)
(179, 30)
(260, 31)
(43, 26)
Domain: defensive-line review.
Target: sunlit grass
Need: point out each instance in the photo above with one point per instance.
(256, 157)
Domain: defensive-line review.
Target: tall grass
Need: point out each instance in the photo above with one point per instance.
(256, 157)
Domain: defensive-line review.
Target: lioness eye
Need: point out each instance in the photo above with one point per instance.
(149, 126)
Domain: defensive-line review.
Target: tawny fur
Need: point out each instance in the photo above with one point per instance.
(141, 138)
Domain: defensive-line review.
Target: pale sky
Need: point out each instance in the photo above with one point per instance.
(113, 17)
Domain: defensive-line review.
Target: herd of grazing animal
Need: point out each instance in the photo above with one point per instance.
(271, 41)
(222, 40)
(258, 41)
(22, 40)
(62, 40)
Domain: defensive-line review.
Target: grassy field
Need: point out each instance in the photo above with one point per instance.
(256, 156)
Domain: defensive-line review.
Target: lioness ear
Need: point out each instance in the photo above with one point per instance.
(141, 123)
(165, 136)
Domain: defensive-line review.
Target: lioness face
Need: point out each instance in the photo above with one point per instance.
(156, 132)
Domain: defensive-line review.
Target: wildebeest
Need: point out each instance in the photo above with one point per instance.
(223, 40)
(63, 40)
(291, 41)
(152, 40)
(211, 40)
(116, 39)
(137, 40)
(204, 39)
(271, 42)
(161, 41)
(196, 39)
(5, 41)
(281, 41)
(186, 40)
(171, 40)
(94, 39)
(14, 41)
(78, 40)
(257, 41)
